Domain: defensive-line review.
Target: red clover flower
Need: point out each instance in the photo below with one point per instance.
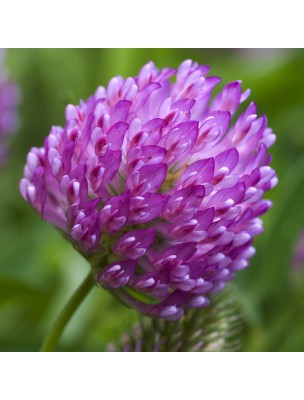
(151, 175)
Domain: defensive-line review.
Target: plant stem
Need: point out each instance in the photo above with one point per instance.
(67, 312)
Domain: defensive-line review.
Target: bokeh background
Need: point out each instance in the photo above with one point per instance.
(39, 270)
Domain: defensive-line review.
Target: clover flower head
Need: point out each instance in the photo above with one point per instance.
(160, 178)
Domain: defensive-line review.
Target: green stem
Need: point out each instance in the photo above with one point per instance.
(67, 312)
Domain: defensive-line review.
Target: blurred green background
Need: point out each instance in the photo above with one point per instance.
(39, 270)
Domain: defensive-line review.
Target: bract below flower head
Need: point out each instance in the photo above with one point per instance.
(155, 177)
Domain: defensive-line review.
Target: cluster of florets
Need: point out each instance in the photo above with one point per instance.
(152, 176)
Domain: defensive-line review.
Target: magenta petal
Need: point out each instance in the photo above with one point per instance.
(205, 218)
(78, 176)
(177, 253)
(36, 193)
(83, 221)
(182, 205)
(229, 98)
(134, 244)
(86, 206)
(144, 94)
(115, 212)
(146, 74)
(146, 208)
(182, 138)
(197, 173)
(67, 156)
(115, 135)
(109, 163)
(228, 159)
(148, 179)
(154, 124)
(146, 155)
(231, 196)
(120, 112)
(153, 283)
(214, 126)
(116, 274)
(184, 105)
(261, 208)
